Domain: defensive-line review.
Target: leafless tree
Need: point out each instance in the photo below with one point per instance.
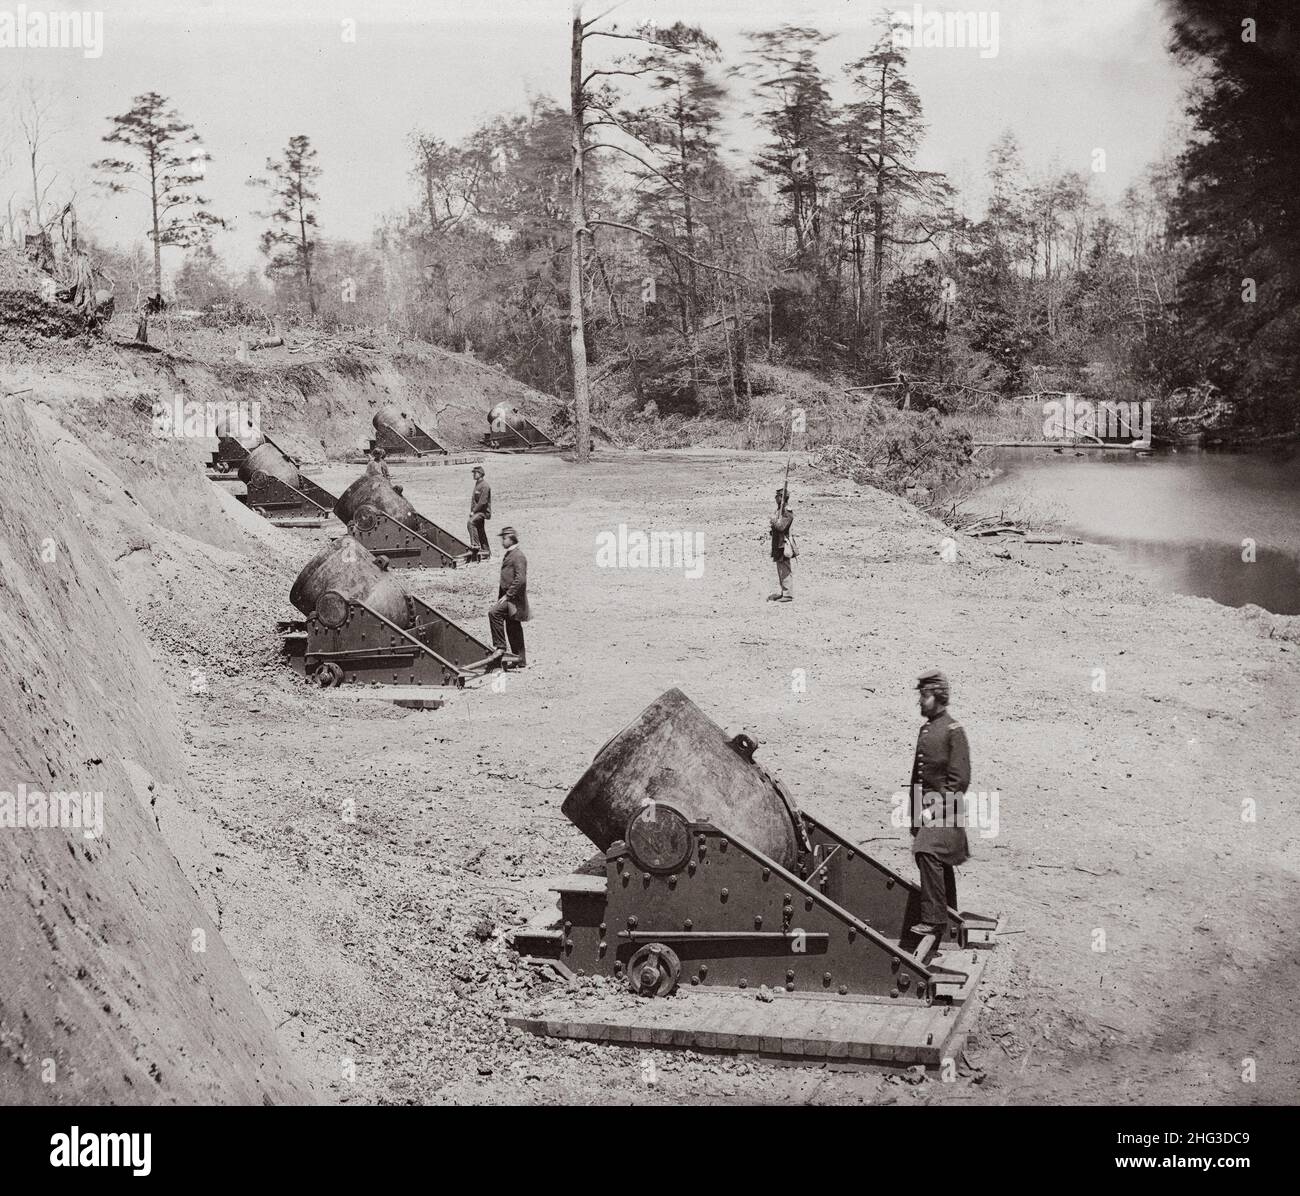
(36, 115)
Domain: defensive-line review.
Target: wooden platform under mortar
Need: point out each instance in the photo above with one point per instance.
(791, 1028)
(409, 697)
(296, 521)
(394, 459)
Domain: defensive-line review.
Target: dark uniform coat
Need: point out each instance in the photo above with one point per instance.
(940, 776)
(514, 583)
(781, 522)
(480, 502)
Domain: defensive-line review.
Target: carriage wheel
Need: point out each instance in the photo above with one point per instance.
(328, 674)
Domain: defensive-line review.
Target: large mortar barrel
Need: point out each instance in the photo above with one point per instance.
(675, 754)
(374, 490)
(348, 566)
(268, 459)
(397, 420)
(234, 425)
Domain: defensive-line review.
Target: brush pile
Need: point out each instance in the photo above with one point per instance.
(904, 454)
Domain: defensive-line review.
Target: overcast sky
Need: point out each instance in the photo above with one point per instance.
(1069, 77)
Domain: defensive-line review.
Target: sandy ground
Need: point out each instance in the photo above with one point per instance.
(1150, 956)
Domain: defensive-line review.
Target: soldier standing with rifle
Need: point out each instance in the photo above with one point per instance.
(783, 547)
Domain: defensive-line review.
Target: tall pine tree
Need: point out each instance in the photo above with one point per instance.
(167, 163)
(289, 243)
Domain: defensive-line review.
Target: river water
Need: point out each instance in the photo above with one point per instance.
(1187, 518)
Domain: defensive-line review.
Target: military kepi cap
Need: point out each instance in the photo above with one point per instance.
(478, 469)
(508, 531)
(932, 677)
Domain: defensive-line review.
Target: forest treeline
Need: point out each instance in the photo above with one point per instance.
(819, 242)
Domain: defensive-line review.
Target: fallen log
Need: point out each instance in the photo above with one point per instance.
(1002, 529)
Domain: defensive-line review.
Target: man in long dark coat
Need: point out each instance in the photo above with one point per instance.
(940, 778)
(507, 616)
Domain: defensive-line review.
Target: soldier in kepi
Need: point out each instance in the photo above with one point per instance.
(507, 616)
(783, 548)
(940, 778)
(480, 511)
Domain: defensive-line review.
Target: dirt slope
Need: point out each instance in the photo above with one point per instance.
(103, 994)
(317, 404)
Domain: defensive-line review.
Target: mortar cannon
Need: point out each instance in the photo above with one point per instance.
(361, 626)
(346, 570)
(674, 755)
(236, 436)
(267, 460)
(238, 425)
(393, 419)
(401, 438)
(379, 515)
(276, 488)
(509, 431)
(710, 874)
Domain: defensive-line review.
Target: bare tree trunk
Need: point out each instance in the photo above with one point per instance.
(726, 340)
(306, 251)
(859, 251)
(689, 221)
(36, 188)
(157, 244)
(578, 224)
(142, 321)
(633, 365)
(742, 351)
(878, 236)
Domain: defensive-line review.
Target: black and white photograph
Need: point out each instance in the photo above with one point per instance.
(648, 554)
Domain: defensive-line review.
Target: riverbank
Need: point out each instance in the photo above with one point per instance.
(1217, 524)
(1122, 730)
